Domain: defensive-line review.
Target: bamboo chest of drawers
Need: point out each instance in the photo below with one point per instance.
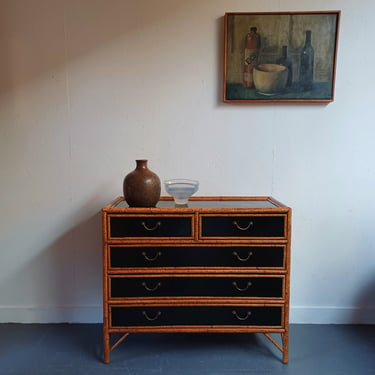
(222, 264)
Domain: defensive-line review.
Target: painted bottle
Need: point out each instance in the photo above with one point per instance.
(284, 60)
(251, 55)
(307, 63)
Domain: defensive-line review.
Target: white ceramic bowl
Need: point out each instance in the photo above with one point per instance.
(270, 78)
(181, 189)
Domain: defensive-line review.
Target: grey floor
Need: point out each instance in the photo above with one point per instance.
(77, 349)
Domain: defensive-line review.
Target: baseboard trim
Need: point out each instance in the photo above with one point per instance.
(51, 314)
(332, 315)
(94, 314)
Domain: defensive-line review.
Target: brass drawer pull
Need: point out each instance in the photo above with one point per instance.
(151, 289)
(157, 255)
(246, 287)
(149, 318)
(248, 314)
(243, 259)
(157, 225)
(251, 223)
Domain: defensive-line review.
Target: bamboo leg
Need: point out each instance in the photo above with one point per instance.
(285, 340)
(274, 342)
(284, 349)
(106, 346)
(119, 341)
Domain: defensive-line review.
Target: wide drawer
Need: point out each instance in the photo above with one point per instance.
(146, 226)
(124, 316)
(243, 226)
(209, 286)
(196, 256)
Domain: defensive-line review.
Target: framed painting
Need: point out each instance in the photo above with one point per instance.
(280, 57)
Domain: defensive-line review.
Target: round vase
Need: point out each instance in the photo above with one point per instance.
(141, 186)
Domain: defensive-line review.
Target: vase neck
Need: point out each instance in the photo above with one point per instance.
(141, 163)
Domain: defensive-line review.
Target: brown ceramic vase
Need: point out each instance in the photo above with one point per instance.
(142, 186)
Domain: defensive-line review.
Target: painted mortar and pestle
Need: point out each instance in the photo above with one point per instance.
(270, 79)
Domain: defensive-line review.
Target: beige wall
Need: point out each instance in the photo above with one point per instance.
(88, 86)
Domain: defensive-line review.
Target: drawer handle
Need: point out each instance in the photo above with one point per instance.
(157, 225)
(247, 286)
(248, 314)
(150, 289)
(151, 318)
(251, 223)
(157, 255)
(243, 259)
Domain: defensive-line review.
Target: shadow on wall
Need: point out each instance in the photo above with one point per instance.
(365, 313)
(63, 282)
(77, 274)
(38, 37)
(220, 58)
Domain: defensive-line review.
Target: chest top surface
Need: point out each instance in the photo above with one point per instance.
(202, 204)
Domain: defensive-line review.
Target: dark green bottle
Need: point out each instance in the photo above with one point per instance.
(307, 63)
(284, 60)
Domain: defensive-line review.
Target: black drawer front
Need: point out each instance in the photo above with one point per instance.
(265, 287)
(196, 316)
(236, 256)
(243, 226)
(136, 226)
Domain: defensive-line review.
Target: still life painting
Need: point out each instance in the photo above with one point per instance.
(283, 56)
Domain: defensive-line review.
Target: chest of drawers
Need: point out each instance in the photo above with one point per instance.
(222, 264)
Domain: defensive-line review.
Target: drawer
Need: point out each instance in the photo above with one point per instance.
(209, 286)
(243, 226)
(122, 316)
(196, 256)
(128, 226)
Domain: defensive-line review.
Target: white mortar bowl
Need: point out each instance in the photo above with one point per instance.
(270, 78)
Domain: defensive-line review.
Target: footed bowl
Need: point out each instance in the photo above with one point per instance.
(181, 189)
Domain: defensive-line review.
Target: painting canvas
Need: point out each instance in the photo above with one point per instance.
(287, 56)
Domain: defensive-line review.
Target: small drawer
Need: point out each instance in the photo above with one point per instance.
(243, 226)
(196, 256)
(208, 316)
(209, 286)
(128, 226)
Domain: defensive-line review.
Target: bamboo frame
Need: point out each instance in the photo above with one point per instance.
(197, 240)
